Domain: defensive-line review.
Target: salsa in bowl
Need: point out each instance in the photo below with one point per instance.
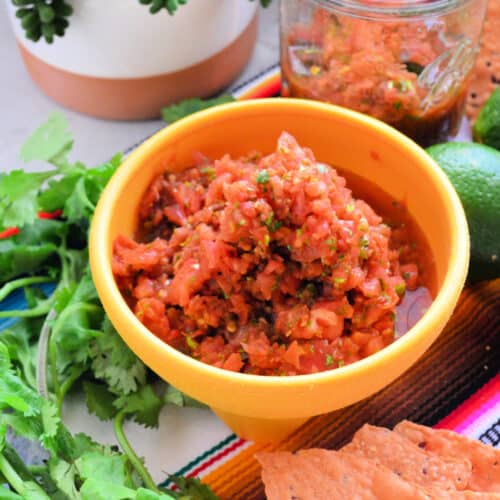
(260, 403)
(268, 265)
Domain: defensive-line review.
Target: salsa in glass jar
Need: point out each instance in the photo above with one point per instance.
(406, 63)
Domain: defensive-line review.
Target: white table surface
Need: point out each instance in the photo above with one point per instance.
(23, 106)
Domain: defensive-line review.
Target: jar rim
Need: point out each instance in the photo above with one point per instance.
(397, 8)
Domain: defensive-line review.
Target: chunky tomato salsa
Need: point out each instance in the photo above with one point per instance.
(267, 265)
(395, 71)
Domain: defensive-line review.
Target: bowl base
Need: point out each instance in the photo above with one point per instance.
(260, 430)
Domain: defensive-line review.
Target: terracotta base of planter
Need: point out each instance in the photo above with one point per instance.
(141, 98)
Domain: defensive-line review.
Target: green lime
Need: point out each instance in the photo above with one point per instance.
(474, 171)
(487, 126)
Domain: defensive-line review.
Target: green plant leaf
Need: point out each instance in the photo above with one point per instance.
(145, 406)
(114, 363)
(99, 400)
(18, 194)
(192, 488)
(143, 494)
(17, 338)
(50, 421)
(57, 192)
(50, 142)
(78, 322)
(64, 475)
(35, 248)
(81, 203)
(94, 489)
(184, 108)
(102, 467)
(16, 395)
(175, 397)
(29, 428)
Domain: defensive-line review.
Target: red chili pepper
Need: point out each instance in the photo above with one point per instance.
(10, 231)
(50, 215)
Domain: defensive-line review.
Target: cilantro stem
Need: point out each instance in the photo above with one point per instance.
(53, 371)
(8, 288)
(41, 309)
(17, 483)
(41, 367)
(37, 469)
(131, 455)
(11, 455)
(11, 475)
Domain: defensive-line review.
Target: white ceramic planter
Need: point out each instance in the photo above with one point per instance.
(118, 61)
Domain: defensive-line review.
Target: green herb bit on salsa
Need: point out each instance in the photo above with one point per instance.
(266, 265)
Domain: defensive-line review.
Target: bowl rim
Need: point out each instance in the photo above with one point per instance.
(445, 299)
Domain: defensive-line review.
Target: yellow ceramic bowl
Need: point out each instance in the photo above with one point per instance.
(267, 408)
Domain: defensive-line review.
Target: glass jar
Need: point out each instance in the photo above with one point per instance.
(406, 62)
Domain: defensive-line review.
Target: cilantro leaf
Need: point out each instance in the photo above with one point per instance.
(29, 428)
(50, 422)
(99, 400)
(184, 108)
(57, 192)
(77, 191)
(81, 203)
(18, 194)
(94, 489)
(78, 206)
(31, 414)
(77, 323)
(84, 443)
(103, 467)
(64, 475)
(35, 248)
(98, 177)
(114, 363)
(18, 259)
(13, 392)
(17, 338)
(145, 406)
(143, 494)
(50, 142)
(192, 488)
(178, 398)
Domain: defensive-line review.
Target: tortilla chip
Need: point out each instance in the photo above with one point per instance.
(486, 74)
(325, 475)
(485, 459)
(409, 461)
(479, 495)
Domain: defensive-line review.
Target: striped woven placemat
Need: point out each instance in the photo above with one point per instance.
(455, 385)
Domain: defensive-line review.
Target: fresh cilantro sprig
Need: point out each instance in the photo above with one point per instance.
(64, 339)
(68, 186)
(77, 467)
(186, 107)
